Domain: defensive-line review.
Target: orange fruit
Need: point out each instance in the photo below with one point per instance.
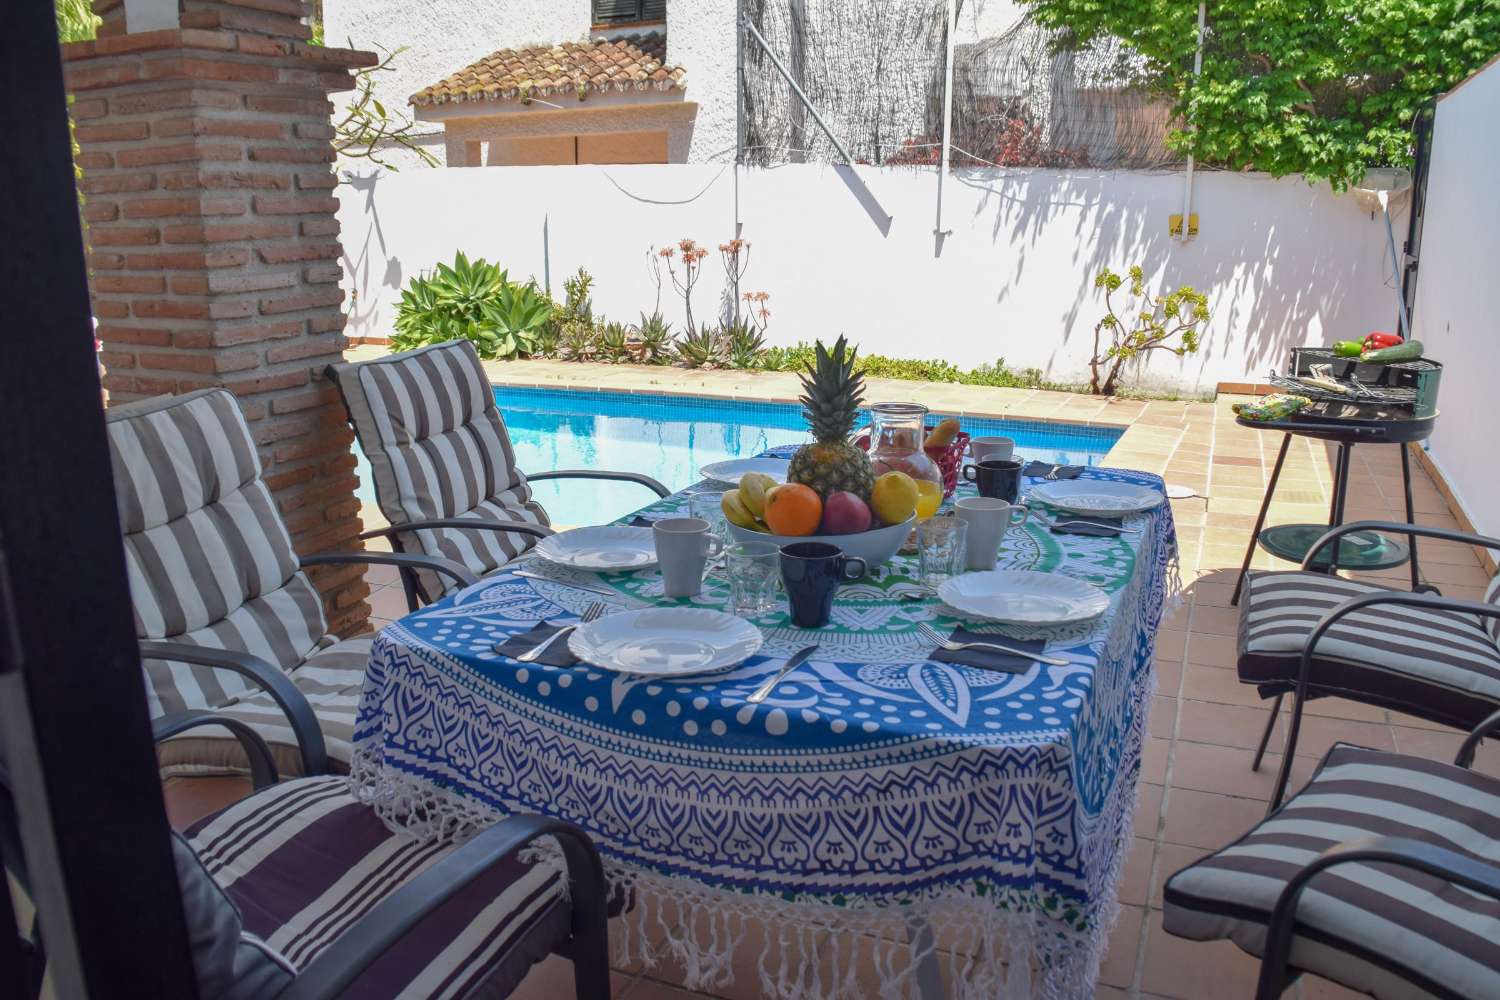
(793, 509)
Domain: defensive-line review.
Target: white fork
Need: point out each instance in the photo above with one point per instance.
(590, 613)
(943, 642)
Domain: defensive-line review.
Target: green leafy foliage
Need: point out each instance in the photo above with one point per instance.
(579, 342)
(1325, 88)
(704, 347)
(796, 359)
(655, 335)
(368, 130)
(745, 344)
(76, 21)
(1154, 320)
(614, 343)
(473, 300)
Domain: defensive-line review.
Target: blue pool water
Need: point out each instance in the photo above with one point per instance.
(671, 437)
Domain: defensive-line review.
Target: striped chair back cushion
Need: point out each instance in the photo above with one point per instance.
(438, 448)
(209, 559)
(1492, 595)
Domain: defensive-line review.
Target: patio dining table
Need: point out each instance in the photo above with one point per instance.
(926, 812)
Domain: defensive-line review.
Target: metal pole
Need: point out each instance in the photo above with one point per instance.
(787, 76)
(739, 109)
(937, 229)
(1187, 186)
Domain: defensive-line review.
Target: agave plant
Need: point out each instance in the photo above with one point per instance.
(578, 341)
(702, 348)
(473, 300)
(655, 335)
(614, 343)
(744, 344)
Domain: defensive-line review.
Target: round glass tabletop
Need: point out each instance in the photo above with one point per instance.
(1358, 550)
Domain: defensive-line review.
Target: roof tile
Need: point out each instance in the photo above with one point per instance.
(599, 65)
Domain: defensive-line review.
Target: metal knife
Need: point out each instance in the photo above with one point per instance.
(591, 588)
(793, 662)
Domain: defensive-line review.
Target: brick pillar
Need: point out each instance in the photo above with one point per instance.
(214, 246)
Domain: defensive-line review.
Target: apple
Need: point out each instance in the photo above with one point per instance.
(845, 514)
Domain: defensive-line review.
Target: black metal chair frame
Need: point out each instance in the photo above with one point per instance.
(383, 926)
(393, 532)
(1276, 972)
(272, 680)
(1302, 689)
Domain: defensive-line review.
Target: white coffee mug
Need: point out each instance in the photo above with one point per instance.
(683, 547)
(998, 448)
(988, 519)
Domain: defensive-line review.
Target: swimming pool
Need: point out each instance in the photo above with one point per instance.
(671, 437)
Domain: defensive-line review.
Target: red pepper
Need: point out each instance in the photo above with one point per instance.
(1376, 341)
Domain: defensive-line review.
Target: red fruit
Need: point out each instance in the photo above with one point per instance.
(845, 514)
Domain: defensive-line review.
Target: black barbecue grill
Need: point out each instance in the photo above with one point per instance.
(1376, 404)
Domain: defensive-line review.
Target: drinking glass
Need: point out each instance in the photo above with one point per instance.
(710, 507)
(941, 549)
(754, 569)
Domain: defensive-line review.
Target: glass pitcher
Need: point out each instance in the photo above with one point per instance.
(897, 431)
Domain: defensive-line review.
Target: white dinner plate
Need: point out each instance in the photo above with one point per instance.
(1023, 597)
(731, 470)
(605, 547)
(1097, 496)
(666, 642)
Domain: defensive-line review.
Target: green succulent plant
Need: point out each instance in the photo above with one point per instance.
(745, 345)
(703, 348)
(473, 300)
(655, 335)
(614, 343)
(579, 341)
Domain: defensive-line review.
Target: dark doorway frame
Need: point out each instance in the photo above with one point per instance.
(74, 727)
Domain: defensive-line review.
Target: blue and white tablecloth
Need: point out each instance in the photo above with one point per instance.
(876, 795)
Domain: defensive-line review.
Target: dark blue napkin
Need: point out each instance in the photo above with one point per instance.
(640, 522)
(1092, 525)
(557, 655)
(1039, 470)
(989, 659)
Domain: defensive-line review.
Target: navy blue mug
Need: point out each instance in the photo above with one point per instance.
(812, 571)
(996, 479)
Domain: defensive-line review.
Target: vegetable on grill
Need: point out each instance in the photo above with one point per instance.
(1347, 348)
(1409, 351)
(1375, 341)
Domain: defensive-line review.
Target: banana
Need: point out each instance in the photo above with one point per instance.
(753, 489)
(735, 509)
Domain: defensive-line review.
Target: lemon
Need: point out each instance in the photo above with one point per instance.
(894, 497)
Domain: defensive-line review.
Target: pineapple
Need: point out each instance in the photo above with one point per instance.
(833, 394)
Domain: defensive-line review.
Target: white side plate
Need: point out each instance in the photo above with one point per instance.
(1097, 496)
(606, 547)
(1024, 597)
(731, 471)
(666, 642)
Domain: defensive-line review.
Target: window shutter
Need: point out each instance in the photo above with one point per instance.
(654, 10)
(623, 11)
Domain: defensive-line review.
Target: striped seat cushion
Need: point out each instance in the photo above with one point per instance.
(1378, 928)
(1438, 665)
(208, 557)
(438, 448)
(303, 861)
(331, 679)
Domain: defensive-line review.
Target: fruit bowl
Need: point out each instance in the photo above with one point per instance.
(875, 547)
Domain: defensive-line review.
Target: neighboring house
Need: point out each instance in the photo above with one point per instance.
(657, 77)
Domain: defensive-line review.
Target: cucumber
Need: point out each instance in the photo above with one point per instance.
(1409, 351)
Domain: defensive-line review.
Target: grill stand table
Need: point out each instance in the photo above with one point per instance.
(1390, 428)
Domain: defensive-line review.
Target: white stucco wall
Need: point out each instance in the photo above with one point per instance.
(1283, 263)
(1454, 314)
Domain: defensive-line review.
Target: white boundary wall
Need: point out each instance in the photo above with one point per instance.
(1455, 315)
(1283, 262)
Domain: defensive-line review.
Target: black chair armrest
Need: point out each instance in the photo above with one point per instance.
(353, 951)
(519, 527)
(272, 681)
(262, 762)
(1397, 527)
(1465, 756)
(624, 477)
(405, 560)
(1430, 859)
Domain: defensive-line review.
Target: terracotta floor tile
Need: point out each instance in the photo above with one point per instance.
(1319, 733)
(1216, 621)
(387, 602)
(1208, 819)
(1194, 970)
(552, 979)
(1212, 650)
(1216, 684)
(1225, 725)
(1210, 594)
(1135, 880)
(1314, 988)
(1163, 717)
(1148, 800)
(1118, 967)
(1171, 859)
(1207, 768)
(383, 576)
(1154, 760)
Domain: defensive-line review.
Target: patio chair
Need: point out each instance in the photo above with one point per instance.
(445, 473)
(1314, 634)
(228, 620)
(300, 891)
(1381, 874)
